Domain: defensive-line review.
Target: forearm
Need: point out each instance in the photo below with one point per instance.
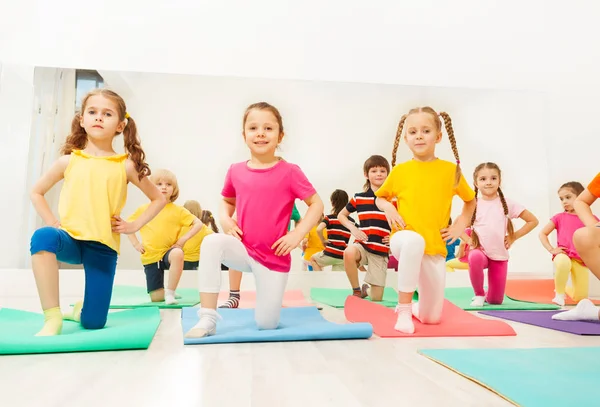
(584, 212)
(43, 209)
(151, 211)
(192, 232)
(527, 227)
(133, 239)
(226, 210)
(464, 219)
(545, 241)
(384, 205)
(312, 217)
(345, 221)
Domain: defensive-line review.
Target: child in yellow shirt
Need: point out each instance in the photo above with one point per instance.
(162, 244)
(424, 187)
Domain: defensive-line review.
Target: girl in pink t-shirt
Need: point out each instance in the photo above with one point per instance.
(493, 234)
(564, 256)
(261, 191)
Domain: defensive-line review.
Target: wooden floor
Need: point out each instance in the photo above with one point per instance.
(374, 372)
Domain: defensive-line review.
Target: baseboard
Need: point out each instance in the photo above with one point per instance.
(20, 282)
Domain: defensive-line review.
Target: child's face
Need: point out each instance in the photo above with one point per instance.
(377, 176)
(422, 135)
(488, 182)
(567, 198)
(166, 188)
(100, 119)
(262, 133)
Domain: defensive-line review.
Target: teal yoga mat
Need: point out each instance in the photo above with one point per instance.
(529, 377)
(131, 329)
(127, 297)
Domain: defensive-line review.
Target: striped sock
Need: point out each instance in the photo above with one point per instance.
(357, 292)
(233, 301)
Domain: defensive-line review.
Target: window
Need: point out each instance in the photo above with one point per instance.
(85, 81)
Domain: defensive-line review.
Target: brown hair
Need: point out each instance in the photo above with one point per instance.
(263, 106)
(339, 200)
(510, 228)
(208, 219)
(438, 124)
(574, 186)
(194, 208)
(77, 140)
(166, 175)
(373, 162)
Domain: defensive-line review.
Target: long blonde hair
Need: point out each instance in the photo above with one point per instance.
(194, 208)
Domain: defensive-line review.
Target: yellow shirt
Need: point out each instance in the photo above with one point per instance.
(161, 233)
(424, 191)
(94, 190)
(191, 248)
(313, 245)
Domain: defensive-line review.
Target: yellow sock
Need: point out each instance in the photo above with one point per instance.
(52, 322)
(75, 314)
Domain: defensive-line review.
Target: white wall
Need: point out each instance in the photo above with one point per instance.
(548, 46)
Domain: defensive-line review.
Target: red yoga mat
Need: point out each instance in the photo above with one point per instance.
(292, 298)
(540, 291)
(455, 321)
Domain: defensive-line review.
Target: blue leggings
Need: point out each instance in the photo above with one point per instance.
(99, 263)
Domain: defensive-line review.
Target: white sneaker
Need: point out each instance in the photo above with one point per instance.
(478, 301)
(404, 322)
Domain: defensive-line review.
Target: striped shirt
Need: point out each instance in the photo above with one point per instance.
(372, 221)
(337, 235)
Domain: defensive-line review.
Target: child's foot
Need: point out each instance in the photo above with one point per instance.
(478, 301)
(170, 297)
(53, 322)
(75, 314)
(233, 301)
(404, 322)
(207, 325)
(359, 292)
(559, 299)
(584, 311)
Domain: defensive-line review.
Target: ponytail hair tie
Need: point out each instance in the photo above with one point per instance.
(457, 161)
(127, 115)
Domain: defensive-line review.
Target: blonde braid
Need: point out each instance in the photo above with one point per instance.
(450, 131)
(397, 140)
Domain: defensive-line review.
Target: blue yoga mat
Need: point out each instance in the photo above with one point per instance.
(544, 377)
(296, 324)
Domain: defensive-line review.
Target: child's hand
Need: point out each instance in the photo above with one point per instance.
(231, 227)
(56, 224)
(286, 244)
(451, 233)
(121, 226)
(394, 219)
(386, 240)
(304, 244)
(359, 234)
(557, 250)
(140, 248)
(177, 245)
(508, 242)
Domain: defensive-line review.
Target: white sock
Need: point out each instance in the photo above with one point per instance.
(415, 309)
(404, 322)
(478, 301)
(170, 297)
(584, 311)
(206, 326)
(559, 299)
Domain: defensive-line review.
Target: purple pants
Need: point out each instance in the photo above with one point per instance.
(497, 270)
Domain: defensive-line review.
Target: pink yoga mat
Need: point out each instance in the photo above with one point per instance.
(292, 298)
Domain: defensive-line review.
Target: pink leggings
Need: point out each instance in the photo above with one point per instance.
(497, 270)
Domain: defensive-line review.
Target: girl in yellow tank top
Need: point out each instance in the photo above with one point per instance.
(93, 194)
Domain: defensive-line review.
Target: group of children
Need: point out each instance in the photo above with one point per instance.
(403, 213)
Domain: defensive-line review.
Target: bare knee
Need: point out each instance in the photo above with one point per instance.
(176, 255)
(351, 254)
(586, 238)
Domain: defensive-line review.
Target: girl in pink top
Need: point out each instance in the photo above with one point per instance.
(493, 234)
(564, 256)
(261, 191)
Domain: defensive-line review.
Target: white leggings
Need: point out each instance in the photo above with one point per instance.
(415, 267)
(219, 248)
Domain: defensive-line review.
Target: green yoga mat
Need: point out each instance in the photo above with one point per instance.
(336, 297)
(462, 297)
(545, 377)
(127, 297)
(131, 329)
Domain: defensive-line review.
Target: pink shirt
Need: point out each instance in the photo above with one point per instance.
(566, 224)
(264, 202)
(491, 226)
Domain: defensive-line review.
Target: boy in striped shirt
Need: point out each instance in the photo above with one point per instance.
(371, 246)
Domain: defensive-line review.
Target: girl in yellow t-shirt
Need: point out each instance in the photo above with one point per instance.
(312, 245)
(191, 250)
(93, 194)
(162, 244)
(423, 187)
